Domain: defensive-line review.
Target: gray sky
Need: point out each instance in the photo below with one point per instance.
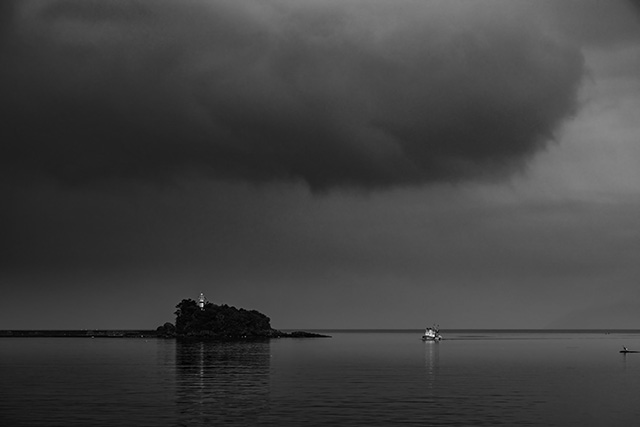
(333, 164)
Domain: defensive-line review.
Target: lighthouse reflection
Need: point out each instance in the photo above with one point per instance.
(220, 383)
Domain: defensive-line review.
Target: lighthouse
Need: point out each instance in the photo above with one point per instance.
(201, 301)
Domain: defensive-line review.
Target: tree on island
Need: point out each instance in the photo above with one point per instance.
(221, 321)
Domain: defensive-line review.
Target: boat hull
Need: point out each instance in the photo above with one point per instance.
(431, 334)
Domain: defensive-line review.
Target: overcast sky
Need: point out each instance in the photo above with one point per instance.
(333, 164)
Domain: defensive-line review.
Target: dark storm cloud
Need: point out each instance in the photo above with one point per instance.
(356, 94)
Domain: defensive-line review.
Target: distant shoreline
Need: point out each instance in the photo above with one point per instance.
(153, 333)
(131, 333)
(81, 333)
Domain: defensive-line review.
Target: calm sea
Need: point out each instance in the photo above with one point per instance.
(356, 378)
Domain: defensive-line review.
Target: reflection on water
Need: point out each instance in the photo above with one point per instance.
(353, 379)
(431, 363)
(461, 390)
(431, 358)
(221, 383)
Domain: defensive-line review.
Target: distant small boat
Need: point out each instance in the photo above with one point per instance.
(626, 350)
(432, 334)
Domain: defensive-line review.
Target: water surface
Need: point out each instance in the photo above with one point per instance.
(375, 378)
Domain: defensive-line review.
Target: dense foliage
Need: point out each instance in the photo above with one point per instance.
(220, 321)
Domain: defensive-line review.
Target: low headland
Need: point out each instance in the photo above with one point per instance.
(194, 321)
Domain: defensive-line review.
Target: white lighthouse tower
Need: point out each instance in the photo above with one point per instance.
(201, 301)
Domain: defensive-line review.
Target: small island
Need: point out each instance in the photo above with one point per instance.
(194, 320)
(204, 320)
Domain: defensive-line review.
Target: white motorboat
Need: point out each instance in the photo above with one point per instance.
(432, 334)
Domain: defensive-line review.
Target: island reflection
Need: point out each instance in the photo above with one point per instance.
(222, 383)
